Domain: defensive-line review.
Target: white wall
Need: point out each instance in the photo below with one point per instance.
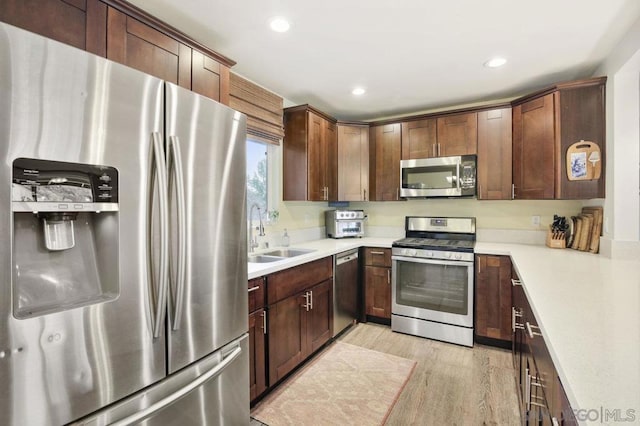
(622, 205)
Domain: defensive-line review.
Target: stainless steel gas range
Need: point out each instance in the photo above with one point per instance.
(432, 279)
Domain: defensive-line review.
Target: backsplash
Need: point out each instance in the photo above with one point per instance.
(496, 221)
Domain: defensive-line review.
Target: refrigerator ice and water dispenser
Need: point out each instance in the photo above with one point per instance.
(65, 235)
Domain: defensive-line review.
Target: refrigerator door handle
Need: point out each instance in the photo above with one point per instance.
(170, 399)
(159, 169)
(175, 166)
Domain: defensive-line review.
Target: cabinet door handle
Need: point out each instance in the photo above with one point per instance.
(530, 332)
(252, 289)
(306, 301)
(554, 421)
(434, 149)
(388, 276)
(264, 322)
(439, 153)
(376, 252)
(397, 193)
(515, 282)
(311, 299)
(364, 195)
(513, 191)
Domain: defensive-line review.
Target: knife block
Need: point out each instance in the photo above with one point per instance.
(556, 239)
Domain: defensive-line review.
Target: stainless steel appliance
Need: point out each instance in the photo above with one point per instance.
(123, 273)
(432, 279)
(345, 290)
(344, 223)
(438, 177)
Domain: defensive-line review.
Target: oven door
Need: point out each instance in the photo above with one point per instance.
(433, 290)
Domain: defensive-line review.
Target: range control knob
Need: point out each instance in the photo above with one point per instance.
(429, 254)
(458, 256)
(413, 252)
(447, 255)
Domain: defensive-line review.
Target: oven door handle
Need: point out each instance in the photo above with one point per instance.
(432, 261)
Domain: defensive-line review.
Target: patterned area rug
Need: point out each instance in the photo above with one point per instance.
(344, 385)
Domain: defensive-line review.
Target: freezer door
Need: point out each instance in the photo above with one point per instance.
(206, 146)
(214, 391)
(61, 104)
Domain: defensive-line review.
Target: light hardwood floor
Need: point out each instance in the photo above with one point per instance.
(451, 385)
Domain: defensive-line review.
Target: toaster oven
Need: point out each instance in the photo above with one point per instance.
(344, 223)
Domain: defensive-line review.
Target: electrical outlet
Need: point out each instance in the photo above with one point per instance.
(535, 220)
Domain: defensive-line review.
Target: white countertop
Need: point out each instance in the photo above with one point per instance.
(587, 307)
(323, 248)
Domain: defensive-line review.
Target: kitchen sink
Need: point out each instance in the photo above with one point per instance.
(263, 258)
(290, 252)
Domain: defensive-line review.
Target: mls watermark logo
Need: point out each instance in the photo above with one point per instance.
(605, 415)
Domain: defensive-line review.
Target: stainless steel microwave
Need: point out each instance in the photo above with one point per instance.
(438, 177)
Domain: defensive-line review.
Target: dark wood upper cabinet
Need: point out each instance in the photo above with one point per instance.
(493, 297)
(533, 149)
(79, 23)
(457, 134)
(132, 43)
(384, 171)
(494, 154)
(209, 77)
(310, 155)
(419, 139)
(545, 125)
(123, 33)
(353, 162)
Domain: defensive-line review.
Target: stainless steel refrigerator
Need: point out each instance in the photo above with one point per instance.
(122, 245)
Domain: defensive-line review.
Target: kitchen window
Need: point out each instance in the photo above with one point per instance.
(262, 178)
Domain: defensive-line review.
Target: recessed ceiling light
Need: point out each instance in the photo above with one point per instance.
(495, 62)
(279, 24)
(358, 91)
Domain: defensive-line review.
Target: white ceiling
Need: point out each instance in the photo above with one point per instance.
(410, 55)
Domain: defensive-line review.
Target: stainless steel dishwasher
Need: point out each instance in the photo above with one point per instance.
(345, 290)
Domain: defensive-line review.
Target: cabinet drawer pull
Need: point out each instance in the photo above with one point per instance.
(515, 313)
(364, 195)
(264, 322)
(311, 299)
(554, 421)
(530, 331)
(388, 276)
(377, 252)
(515, 282)
(252, 289)
(513, 191)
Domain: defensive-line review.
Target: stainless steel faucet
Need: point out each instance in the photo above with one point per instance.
(253, 243)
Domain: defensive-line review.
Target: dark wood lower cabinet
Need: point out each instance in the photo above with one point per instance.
(286, 336)
(320, 316)
(298, 326)
(493, 297)
(300, 314)
(378, 291)
(542, 397)
(257, 361)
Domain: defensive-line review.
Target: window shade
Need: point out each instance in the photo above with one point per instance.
(263, 109)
